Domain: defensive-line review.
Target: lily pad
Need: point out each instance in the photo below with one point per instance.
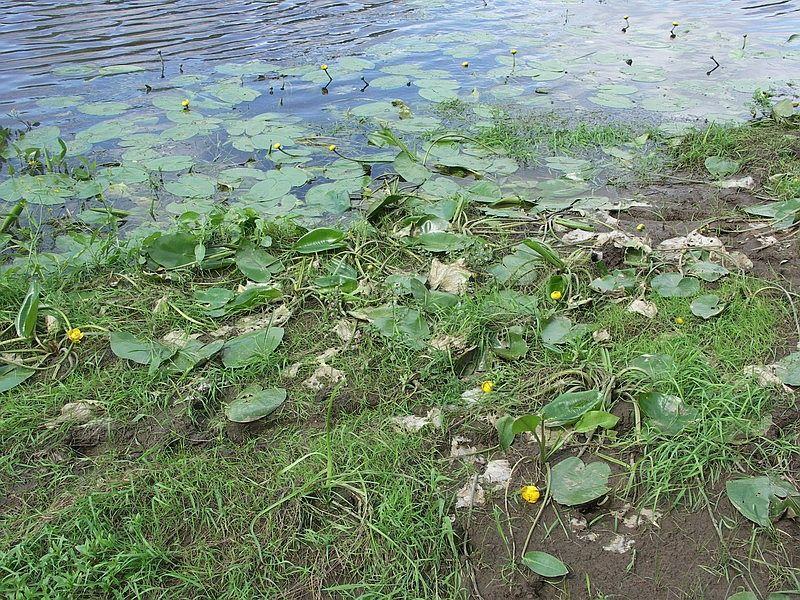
(574, 483)
(675, 285)
(667, 413)
(244, 349)
(707, 306)
(254, 403)
(544, 564)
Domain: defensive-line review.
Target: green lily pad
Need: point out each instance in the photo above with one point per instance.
(244, 349)
(192, 185)
(254, 403)
(667, 413)
(707, 306)
(544, 564)
(574, 483)
(570, 406)
(719, 166)
(675, 285)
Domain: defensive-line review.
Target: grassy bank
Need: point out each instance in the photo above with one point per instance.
(149, 450)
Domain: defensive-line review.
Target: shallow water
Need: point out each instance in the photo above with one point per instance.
(90, 73)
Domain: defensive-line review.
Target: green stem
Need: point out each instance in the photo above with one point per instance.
(12, 216)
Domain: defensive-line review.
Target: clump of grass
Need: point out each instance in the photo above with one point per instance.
(767, 150)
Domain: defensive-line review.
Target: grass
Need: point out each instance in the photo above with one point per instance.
(326, 497)
(767, 150)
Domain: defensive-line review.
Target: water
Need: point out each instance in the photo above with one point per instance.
(38, 36)
(90, 73)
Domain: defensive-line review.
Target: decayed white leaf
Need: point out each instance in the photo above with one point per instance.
(345, 329)
(471, 494)
(619, 544)
(452, 278)
(644, 308)
(747, 183)
(290, 372)
(601, 336)
(446, 342)
(323, 375)
(496, 474)
(76, 413)
(413, 423)
(740, 260)
(577, 236)
(178, 338)
(459, 447)
(767, 375)
(691, 241)
(410, 423)
(472, 395)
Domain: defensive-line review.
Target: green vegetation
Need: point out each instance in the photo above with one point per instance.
(308, 372)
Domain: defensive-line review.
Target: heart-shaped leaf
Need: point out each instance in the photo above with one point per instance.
(594, 419)
(509, 427)
(570, 406)
(574, 483)
(320, 240)
(513, 347)
(544, 564)
(242, 350)
(788, 369)
(654, 365)
(675, 285)
(11, 376)
(143, 352)
(751, 497)
(707, 306)
(254, 403)
(257, 264)
(667, 413)
(173, 250)
(720, 166)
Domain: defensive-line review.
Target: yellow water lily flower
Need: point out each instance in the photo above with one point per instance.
(675, 23)
(626, 17)
(276, 146)
(555, 295)
(465, 64)
(680, 321)
(74, 335)
(332, 147)
(185, 104)
(640, 227)
(530, 493)
(487, 387)
(513, 51)
(324, 67)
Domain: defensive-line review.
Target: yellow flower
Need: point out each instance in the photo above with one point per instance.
(276, 146)
(185, 104)
(332, 147)
(530, 493)
(640, 227)
(555, 295)
(513, 51)
(465, 64)
(487, 387)
(626, 17)
(675, 23)
(74, 335)
(324, 67)
(680, 321)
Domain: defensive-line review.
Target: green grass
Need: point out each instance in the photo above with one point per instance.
(768, 151)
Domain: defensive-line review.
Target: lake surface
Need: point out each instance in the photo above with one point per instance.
(90, 74)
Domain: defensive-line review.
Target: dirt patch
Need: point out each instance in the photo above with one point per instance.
(617, 549)
(677, 209)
